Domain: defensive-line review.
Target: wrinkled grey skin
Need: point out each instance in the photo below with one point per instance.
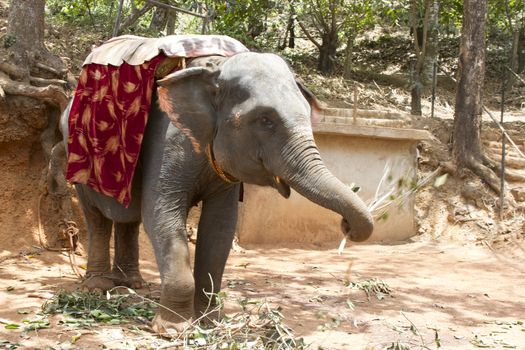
(258, 119)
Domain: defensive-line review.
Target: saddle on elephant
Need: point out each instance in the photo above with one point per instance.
(110, 107)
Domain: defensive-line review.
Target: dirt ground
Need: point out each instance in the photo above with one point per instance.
(469, 296)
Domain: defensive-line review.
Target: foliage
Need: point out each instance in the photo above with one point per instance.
(84, 309)
(98, 13)
(256, 326)
(254, 22)
(505, 15)
(372, 286)
(450, 20)
(261, 25)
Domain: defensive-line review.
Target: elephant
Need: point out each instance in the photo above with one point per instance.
(216, 123)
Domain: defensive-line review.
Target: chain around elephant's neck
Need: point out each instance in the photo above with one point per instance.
(216, 167)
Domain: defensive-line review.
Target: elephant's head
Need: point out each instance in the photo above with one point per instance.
(249, 110)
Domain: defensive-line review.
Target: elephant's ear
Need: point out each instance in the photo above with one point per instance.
(315, 104)
(187, 97)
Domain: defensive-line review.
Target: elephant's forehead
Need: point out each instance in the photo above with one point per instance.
(286, 102)
(256, 66)
(263, 80)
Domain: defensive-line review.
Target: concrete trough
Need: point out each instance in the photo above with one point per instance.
(357, 153)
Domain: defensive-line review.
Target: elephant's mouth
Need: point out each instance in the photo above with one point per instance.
(281, 186)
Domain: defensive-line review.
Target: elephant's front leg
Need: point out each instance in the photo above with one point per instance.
(178, 286)
(214, 240)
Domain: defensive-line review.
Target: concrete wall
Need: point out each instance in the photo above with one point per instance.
(354, 157)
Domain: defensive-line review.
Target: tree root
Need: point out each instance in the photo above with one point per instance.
(51, 94)
(486, 170)
(14, 71)
(485, 173)
(15, 80)
(44, 81)
(58, 73)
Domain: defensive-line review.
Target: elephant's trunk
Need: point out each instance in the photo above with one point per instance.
(306, 173)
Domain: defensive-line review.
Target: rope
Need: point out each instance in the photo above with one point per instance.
(70, 229)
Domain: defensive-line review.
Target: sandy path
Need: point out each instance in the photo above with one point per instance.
(470, 296)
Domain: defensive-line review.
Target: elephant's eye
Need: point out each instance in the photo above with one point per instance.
(266, 122)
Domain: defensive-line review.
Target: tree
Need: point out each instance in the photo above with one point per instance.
(425, 33)
(28, 57)
(26, 26)
(326, 19)
(33, 79)
(360, 15)
(163, 18)
(467, 149)
(508, 16)
(244, 20)
(159, 18)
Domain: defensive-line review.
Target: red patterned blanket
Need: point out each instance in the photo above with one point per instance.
(111, 104)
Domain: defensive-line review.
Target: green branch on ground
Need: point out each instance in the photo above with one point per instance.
(257, 326)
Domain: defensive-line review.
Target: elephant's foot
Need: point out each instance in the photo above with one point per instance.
(130, 279)
(207, 312)
(169, 328)
(98, 283)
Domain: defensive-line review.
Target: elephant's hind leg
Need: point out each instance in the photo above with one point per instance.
(126, 261)
(98, 274)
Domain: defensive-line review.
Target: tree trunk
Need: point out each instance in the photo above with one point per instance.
(466, 148)
(25, 29)
(419, 35)
(521, 49)
(160, 18)
(469, 97)
(28, 69)
(327, 53)
(415, 94)
(349, 53)
(172, 21)
(291, 26)
(432, 41)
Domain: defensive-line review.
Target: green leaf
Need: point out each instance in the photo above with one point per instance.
(36, 324)
(100, 315)
(12, 326)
